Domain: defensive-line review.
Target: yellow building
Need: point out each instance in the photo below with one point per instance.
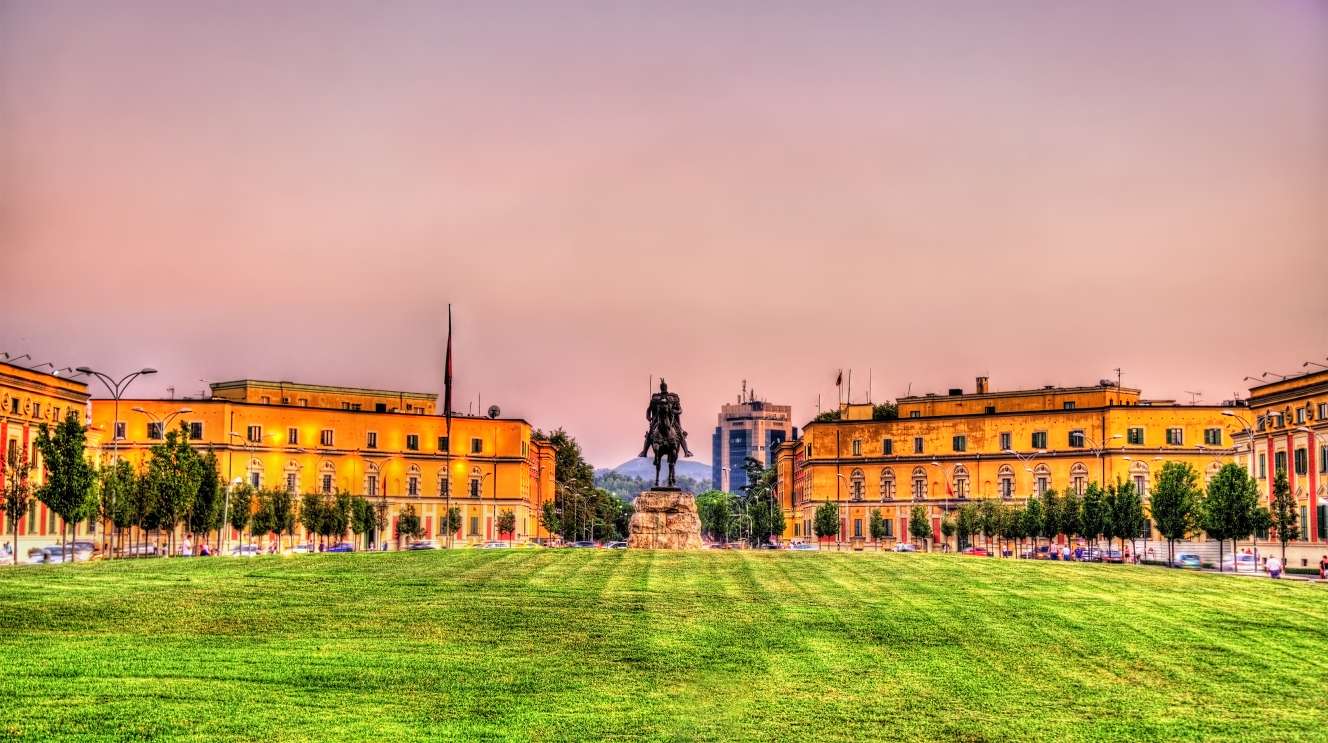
(28, 399)
(1289, 419)
(319, 439)
(945, 450)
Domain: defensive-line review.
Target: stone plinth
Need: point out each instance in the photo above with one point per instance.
(666, 519)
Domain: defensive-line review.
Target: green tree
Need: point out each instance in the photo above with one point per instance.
(283, 512)
(948, 530)
(451, 521)
(205, 512)
(1230, 508)
(174, 471)
(968, 522)
(1091, 512)
(117, 493)
(311, 514)
(715, 509)
(507, 524)
(1282, 512)
(1052, 507)
(761, 505)
(1070, 513)
(825, 522)
(17, 491)
(408, 523)
(261, 522)
(989, 520)
(337, 514)
(361, 517)
(919, 526)
(576, 502)
(886, 411)
(1032, 520)
(1011, 527)
(1174, 504)
(1128, 517)
(877, 526)
(242, 508)
(70, 479)
(550, 519)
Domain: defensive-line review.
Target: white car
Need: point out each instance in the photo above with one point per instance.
(1243, 564)
(495, 545)
(801, 547)
(245, 550)
(905, 547)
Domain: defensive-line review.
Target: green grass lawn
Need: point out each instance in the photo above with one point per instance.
(591, 644)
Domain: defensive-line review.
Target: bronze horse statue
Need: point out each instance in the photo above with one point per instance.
(665, 436)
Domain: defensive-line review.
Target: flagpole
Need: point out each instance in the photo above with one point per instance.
(447, 412)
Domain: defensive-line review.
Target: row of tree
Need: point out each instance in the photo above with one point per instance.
(753, 515)
(579, 510)
(1227, 509)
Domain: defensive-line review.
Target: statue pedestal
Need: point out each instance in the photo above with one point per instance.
(666, 519)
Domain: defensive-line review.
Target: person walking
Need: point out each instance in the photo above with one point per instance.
(1323, 568)
(1274, 567)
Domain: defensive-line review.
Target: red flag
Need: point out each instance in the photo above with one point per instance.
(948, 490)
(839, 380)
(447, 380)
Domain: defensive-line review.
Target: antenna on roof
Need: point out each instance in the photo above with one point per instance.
(1194, 396)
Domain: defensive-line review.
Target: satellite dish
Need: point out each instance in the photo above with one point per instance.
(494, 411)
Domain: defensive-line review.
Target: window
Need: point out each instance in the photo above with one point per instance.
(119, 430)
(154, 431)
(1005, 482)
(1135, 436)
(412, 442)
(857, 486)
(1175, 436)
(36, 410)
(304, 402)
(265, 400)
(196, 430)
(919, 484)
(476, 446)
(1323, 458)
(917, 444)
(1263, 466)
(371, 484)
(915, 413)
(1300, 415)
(13, 408)
(73, 414)
(1042, 479)
(442, 443)
(327, 483)
(525, 449)
(1213, 436)
(293, 436)
(256, 480)
(889, 528)
(1302, 462)
(371, 440)
(1039, 440)
(325, 437)
(285, 401)
(857, 527)
(887, 485)
(474, 526)
(1067, 405)
(413, 486)
(290, 482)
(959, 443)
(857, 447)
(1076, 439)
(1279, 461)
(1323, 410)
(961, 482)
(1007, 442)
(1078, 478)
(888, 447)
(809, 451)
(444, 488)
(255, 434)
(990, 410)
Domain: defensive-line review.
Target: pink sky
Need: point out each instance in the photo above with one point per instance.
(1036, 191)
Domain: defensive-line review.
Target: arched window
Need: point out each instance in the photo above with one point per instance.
(1079, 477)
(1005, 482)
(1139, 476)
(443, 483)
(292, 473)
(327, 475)
(1041, 479)
(255, 471)
(857, 485)
(887, 484)
(919, 483)
(475, 479)
(413, 481)
(961, 481)
(372, 476)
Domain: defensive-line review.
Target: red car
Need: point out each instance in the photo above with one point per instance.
(977, 552)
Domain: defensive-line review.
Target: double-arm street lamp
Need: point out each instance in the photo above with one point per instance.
(117, 390)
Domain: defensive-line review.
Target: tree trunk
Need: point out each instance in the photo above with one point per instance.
(1221, 544)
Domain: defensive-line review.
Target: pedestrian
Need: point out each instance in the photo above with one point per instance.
(1323, 568)
(1274, 567)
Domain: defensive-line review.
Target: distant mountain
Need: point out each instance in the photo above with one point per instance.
(645, 467)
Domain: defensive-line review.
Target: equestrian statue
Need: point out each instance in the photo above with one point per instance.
(665, 436)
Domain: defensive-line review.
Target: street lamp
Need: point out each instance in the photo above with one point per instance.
(1098, 449)
(484, 477)
(1249, 434)
(163, 422)
(226, 508)
(1026, 460)
(840, 519)
(117, 390)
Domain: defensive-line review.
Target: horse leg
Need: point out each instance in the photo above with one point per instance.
(657, 470)
(673, 460)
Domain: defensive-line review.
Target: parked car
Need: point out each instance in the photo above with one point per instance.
(341, 547)
(1092, 554)
(616, 546)
(141, 550)
(494, 545)
(302, 549)
(905, 547)
(1113, 556)
(802, 547)
(583, 544)
(423, 544)
(83, 551)
(1242, 564)
(245, 550)
(976, 552)
(1189, 560)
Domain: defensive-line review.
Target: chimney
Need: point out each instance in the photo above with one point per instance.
(981, 387)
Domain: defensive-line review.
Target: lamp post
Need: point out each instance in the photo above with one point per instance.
(1026, 460)
(117, 389)
(1249, 434)
(1098, 449)
(484, 477)
(840, 518)
(226, 508)
(1311, 529)
(159, 420)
